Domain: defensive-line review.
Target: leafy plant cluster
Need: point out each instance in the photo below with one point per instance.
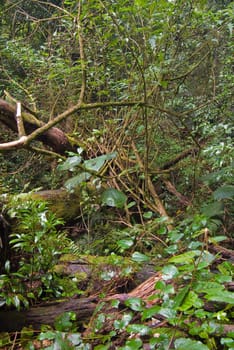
(37, 245)
(195, 309)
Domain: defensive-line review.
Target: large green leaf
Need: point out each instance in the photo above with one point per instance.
(132, 344)
(150, 312)
(191, 300)
(208, 287)
(224, 192)
(95, 164)
(223, 297)
(134, 303)
(169, 271)
(178, 300)
(189, 344)
(185, 258)
(125, 243)
(113, 198)
(70, 163)
(76, 180)
(140, 329)
(139, 257)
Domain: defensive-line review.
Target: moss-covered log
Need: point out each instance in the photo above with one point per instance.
(64, 204)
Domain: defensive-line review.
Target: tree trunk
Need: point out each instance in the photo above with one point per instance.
(11, 321)
(55, 138)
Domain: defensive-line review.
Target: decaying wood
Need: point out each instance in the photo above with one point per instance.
(171, 188)
(54, 137)
(84, 308)
(11, 321)
(36, 316)
(226, 253)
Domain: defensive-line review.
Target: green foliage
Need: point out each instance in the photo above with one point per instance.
(85, 168)
(176, 57)
(113, 198)
(39, 244)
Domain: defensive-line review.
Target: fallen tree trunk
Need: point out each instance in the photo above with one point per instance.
(64, 204)
(55, 138)
(11, 321)
(45, 314)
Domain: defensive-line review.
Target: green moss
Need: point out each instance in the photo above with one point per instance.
(80, 276)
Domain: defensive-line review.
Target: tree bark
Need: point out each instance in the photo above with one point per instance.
(11, 321)
(55, 138)
(45, 314)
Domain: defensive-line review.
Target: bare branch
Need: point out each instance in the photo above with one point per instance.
(13, 144)
(19, 120)
(42, 128)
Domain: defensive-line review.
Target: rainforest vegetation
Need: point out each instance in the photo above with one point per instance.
(116, 191)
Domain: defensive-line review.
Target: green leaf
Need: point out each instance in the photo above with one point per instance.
(208, 287)
(205, 259)
(64, 322)
(120, 324)
(169, 271)
(140, 329)
(167, 312)
(139, 257)
(74, 338)
(113, 198)
(148, 215)
(191, 300)
(7, 266)
(125, 243)
(140, 2)
(133, 344)
(188, 344)
(148, 313)
(95, 164)
(185, 258)
(224, 192)
(70, 163)
(16, 301)
(178, 300)
(76, 180)
(224, 297)
(50, 335)
(230, 28)
(134, 303)
(131, 204)
(101, 347)
(229, 342)
(217, 239)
